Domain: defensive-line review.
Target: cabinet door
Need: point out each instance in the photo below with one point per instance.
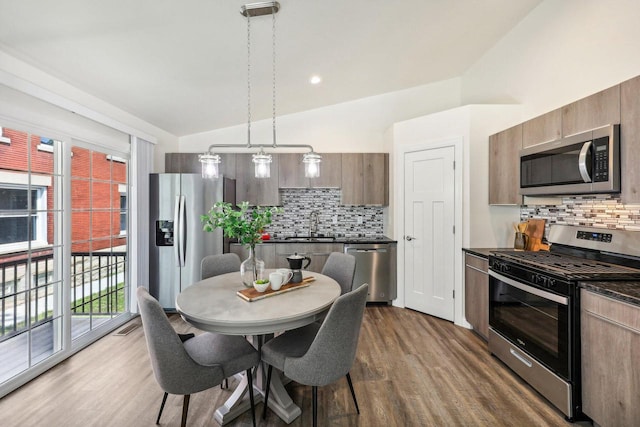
(330, 172)
(189, 163)
(545, 128)
(376, 179)
(630, 140)
(504, 167)
(291, 171)
(257, 191)
(318, 252)
(476, 294)
(610, 332)
(352, 176)
(597, 110)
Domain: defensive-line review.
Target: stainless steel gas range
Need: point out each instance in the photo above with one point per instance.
(534, 305)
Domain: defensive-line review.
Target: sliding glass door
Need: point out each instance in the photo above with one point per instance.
(63, 257)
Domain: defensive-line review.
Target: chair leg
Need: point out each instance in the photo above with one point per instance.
(314, 393)
(164, 400)
(266, 393)
(185, 409)
(224, 384)
(253, 408)
(353, 393)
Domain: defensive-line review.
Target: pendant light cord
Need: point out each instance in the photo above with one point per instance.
(273, 31)
(248, 81)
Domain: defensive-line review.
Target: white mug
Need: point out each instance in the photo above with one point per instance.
(286, 274)
(276, 280)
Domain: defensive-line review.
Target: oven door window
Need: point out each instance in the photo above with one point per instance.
(555, 167)
(537, 325)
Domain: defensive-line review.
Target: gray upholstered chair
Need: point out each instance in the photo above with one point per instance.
(196, 364)
(341, 268)
(215, 265)
(318, 355)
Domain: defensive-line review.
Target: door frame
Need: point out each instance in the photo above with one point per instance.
(399, 230)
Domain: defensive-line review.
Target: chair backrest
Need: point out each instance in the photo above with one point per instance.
(333, 350)
(214, 265)
(175, 371)
(341, 268)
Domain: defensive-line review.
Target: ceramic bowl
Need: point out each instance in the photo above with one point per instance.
(261, 287)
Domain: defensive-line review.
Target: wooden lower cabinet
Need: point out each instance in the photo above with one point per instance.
(610, 332)
(476, 294)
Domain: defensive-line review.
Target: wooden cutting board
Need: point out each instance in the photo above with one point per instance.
(251, 294)
(535, 231)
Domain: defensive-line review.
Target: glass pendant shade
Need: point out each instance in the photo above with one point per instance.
(311, 162)
(210, 164)
(262, 162)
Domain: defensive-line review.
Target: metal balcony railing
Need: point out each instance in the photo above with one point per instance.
(97, 288)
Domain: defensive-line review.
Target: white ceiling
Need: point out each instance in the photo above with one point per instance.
(181, 65)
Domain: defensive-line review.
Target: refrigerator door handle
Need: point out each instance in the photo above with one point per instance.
(181, 232)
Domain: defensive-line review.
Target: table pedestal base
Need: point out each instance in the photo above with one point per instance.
(279, 400)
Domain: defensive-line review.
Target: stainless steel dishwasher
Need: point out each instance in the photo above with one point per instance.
(375, 265)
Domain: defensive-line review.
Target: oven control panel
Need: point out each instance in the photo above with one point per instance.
(594, 236)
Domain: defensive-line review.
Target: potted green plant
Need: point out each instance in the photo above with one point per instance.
(246, 226)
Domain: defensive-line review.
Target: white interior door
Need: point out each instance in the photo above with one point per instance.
(429, 246)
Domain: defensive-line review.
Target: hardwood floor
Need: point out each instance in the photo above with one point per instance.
(411, 370)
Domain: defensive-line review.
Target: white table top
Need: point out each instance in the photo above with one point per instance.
(213, 305)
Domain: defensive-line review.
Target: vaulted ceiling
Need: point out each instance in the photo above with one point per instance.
(182, 65)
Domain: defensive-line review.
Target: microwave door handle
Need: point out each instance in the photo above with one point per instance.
(582, 161)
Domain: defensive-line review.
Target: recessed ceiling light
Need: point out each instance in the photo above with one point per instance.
(315, 79)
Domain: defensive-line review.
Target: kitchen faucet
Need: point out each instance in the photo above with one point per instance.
(313, 223)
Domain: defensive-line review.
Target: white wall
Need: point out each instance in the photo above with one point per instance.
(19, 75)
(356, 126)
(562, 51)
(483, 225)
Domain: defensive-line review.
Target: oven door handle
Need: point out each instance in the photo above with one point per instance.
(530, 289)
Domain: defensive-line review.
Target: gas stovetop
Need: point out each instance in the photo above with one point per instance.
(570, 267)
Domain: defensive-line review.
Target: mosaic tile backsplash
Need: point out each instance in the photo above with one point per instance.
(333, 219)
(603, 211)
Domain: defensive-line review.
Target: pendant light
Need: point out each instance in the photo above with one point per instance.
(261, 160)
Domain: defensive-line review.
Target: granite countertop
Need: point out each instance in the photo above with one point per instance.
(337, 239)
(484, 252)
(628, 292)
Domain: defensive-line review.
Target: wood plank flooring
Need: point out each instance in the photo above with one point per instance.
(411, 370)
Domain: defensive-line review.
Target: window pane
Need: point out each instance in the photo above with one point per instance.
(13, 157)
(16, 229)
(80, 194)
(14, 356)
(42, 154)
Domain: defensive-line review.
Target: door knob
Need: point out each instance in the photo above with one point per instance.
(409, 238)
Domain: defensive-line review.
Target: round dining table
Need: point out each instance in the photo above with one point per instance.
(214, 305)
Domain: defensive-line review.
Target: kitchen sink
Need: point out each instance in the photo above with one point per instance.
(310, 238)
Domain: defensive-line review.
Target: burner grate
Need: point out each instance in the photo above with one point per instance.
(570, 266)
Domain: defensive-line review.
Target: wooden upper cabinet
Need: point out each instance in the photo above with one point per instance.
(545, 128)
(291, 171)
(597, 110)
(189, 163)
(257, 191)
(330, 172)
(352, 179)
(630, 140)
(365, 179)
(376, 178)
(504, 167)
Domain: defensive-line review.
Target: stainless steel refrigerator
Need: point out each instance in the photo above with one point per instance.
(178, 243)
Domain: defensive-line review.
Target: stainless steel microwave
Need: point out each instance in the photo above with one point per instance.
(584, 163)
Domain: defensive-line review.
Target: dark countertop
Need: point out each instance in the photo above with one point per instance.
(342, 239)
(628, 292)
(484, 252)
